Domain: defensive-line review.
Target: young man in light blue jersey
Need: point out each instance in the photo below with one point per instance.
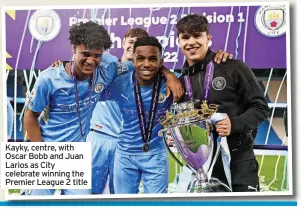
(64, 97)
(67, 94)
(61, 103)
(140, 153)
(105, 126)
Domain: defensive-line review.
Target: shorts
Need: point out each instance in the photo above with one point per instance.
(103, 151)
(129, 170)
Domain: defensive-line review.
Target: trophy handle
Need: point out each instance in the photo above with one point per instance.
(161, 133)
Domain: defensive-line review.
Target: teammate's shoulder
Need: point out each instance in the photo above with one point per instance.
(124, 78)
(52, 74)
(51, 70)
(108, 58)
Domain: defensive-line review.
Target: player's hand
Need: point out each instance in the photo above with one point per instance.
(170, 139)
(169, 136)
(223, 127)
(173, 85)
(56, 63)
(222, 56)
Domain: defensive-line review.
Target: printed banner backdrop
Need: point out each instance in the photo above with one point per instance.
(254, 34)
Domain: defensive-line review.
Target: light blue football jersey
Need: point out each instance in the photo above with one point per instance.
(54, 97)
(130, 140)
(106, 118)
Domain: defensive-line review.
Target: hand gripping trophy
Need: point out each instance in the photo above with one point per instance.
(190, 125)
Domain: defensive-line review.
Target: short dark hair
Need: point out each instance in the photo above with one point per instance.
(145, 41)
(90, 34)
(136, 32)
(192, 23)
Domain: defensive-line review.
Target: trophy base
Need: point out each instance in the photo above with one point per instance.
(214, 185)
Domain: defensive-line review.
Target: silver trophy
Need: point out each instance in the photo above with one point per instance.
(191, 130)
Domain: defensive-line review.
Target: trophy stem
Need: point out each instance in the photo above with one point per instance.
(200, 184)
(201, 175)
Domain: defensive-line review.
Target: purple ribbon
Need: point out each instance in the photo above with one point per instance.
(208, 81)
(72, 71)
(188, 87)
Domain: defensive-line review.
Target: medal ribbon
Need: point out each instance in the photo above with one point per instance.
(146, 131)
(207, 83)
(73, 74)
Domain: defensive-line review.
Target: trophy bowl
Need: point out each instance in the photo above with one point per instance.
(191, 130)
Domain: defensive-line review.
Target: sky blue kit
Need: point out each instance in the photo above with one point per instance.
(132, 164)
(65, 115)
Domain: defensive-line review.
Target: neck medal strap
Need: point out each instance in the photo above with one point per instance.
(146, 131)
(73, 74)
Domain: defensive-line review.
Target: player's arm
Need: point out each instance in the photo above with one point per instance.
(253, 99)
(110, 68)
(38, 100)
(111, 92)
(31, 126)
(173, 84)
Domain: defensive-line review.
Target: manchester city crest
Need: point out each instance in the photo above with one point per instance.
(271, 20)
(219, 83)
(161, 98)
(45, 24)
(99, 88)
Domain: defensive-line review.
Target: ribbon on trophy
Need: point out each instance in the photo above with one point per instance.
(222, 145)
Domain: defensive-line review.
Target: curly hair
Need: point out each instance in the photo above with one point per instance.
(192, 23)
(90, 34)
(147, 40)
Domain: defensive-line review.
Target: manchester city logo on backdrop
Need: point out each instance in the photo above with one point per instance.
(99, 88)
(271, 20)
(219, 83)
(44, 25)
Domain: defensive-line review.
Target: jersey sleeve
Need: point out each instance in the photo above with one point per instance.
(107, 58)
(110, 92)
(107, 94)
(124, 67)
(110, 68)
(40, 94)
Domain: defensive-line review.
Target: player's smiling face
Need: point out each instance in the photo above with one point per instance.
(194, 46)
(86, 60)
(128, 47)
(147, 61)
